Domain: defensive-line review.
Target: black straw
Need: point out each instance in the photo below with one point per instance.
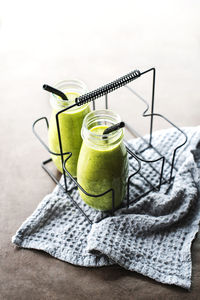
(114, 127)
(54, 91)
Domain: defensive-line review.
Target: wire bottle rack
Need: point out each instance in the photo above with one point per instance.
(138, 157)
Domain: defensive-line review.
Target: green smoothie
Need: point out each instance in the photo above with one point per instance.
(70, 123)
(101, 168)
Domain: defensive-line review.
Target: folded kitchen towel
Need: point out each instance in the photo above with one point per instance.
(152, 237)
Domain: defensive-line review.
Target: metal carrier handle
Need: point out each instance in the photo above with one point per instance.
(107, 88)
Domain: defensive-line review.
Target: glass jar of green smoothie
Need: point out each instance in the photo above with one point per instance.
(70, 123)
(103, 162)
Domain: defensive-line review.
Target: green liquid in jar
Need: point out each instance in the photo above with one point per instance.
(70, 123)
(100, 169)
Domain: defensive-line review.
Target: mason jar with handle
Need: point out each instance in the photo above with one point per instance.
(70, 123)
(103, 162)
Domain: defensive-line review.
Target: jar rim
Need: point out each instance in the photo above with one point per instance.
(72, 81)
(69, 85)
(104, 116)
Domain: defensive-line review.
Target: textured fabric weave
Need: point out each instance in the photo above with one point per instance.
(152, 237)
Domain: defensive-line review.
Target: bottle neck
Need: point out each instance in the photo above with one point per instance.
(72, 89)
(94, 125)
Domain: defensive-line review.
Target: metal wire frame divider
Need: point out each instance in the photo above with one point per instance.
(91, 97)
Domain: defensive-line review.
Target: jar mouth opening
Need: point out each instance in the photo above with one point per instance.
(73, 87)
(101, 118)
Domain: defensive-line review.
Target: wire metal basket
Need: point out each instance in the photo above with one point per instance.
(132, 153)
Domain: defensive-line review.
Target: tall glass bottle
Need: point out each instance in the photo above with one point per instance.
(102, 163)
(70, 123)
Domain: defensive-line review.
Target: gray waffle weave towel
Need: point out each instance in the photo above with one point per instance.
(153, 237)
